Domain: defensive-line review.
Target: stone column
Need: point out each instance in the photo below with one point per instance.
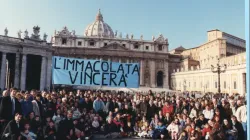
(49, 71)
(166, 75)
(127, 60)
(152, 74)
(120, 60)
(23, 72)
(3, 71)
(43, 74)
(17, 71)
(142, 73)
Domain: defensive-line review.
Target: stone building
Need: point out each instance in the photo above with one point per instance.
(191, 68)
(25, 61)
(99, 41)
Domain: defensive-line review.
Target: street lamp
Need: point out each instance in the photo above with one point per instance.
(184, 85)
(229, 89)
(219, 69)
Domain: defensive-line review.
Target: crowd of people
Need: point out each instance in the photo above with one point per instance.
(68, 115)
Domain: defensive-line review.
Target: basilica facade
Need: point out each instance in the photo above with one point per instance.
(100, 42)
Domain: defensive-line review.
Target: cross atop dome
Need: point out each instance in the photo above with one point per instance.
(99, 16)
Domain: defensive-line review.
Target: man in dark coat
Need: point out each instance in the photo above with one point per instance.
(9, 107)
(151, 110)
(110, 129)
(65, 128)
(13, 128)
(143, 107)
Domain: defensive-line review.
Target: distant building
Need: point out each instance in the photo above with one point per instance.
(193, 71)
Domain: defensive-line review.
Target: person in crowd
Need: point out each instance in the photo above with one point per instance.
(238, 126)
(10, 106)
(195, 111)
(241, 115)
(160, 131)
(50, 131)
(27, 105)
(37, 105)
(208, 113)
(65, 128)
(143, 107)
(151, 110)
(13, 129)
(26, 134)
(98, 105)
(230, 132)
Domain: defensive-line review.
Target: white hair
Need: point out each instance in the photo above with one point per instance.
(5, 93)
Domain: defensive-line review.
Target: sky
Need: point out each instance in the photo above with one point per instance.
(184, 22)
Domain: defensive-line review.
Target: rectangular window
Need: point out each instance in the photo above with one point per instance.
(91, 43)
(79, 43)
(136, 47)
(194, 84)
(64, 41)
(160, 47)
(235, 85)
(215, 84)
(105, 44)
(147, 47)
(124, 45)
(225, 85)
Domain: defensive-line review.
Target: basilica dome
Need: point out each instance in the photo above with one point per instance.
(99, 28)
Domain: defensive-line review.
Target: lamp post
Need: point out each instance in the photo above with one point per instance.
(229, 89)
(184, 85)
(218, 69)
(205, 88)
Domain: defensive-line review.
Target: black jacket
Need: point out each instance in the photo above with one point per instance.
(6, 108)
(240, 130)
(12, 130)
(64, 128)
(151, 110)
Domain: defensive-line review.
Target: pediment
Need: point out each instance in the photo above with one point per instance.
(160, 39)
(64, 32)
(114, 46)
